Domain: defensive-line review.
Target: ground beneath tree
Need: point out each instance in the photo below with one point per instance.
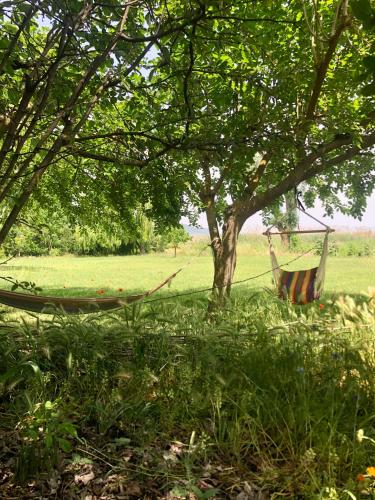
(99, 471)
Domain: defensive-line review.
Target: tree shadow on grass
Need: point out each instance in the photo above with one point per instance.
(264, 399)
(196, 298)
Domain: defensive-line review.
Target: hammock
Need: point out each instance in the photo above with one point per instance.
(300, 287)
(74, 305)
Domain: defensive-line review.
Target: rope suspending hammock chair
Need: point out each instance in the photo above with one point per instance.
(300, 287)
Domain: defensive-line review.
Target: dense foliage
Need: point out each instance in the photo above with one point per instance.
(64, 68)
(46, 233)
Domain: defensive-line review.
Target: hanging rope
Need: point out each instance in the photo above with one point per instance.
(299, 204)
(209, 289)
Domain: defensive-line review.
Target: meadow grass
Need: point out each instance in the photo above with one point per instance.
(263, 394)
(161, 401)
(70, 275)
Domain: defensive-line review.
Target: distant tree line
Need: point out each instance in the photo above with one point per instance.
(56, 234)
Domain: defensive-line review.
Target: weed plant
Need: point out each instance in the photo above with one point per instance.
(274, 393)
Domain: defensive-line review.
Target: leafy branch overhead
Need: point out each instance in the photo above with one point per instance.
(250, 109)
(365, 13)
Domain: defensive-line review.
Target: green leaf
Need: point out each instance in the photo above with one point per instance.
(48, 405)
(10, 28)
(48, 440)
(65, 445)
(362, 10)
(77, 459)
(4, 42)
(68, 428)
(211, 492)
(32, 434)
(33, 366)
(179, 492)
(122, 441)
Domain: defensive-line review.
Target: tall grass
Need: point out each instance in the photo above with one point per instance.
(264, 392)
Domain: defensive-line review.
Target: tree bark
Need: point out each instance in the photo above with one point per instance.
(224, 252)
(285, 241)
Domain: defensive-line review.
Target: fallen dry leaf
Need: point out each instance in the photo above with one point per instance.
(84, 478)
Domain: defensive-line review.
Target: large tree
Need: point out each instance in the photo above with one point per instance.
(251, 105)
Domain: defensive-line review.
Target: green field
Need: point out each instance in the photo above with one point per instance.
(69, 275)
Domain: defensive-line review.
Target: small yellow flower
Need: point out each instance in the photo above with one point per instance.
(360, 435)
(371, 471)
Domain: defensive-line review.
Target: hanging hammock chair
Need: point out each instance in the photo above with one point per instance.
(300, 287)
(74, 305)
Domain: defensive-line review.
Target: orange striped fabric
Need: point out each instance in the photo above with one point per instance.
(298, 286)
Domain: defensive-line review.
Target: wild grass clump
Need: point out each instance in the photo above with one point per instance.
(273, 393)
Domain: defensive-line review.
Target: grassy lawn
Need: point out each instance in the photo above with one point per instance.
(69, 275)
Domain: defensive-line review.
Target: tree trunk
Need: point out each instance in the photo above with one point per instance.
(285, 240)
(224, 251)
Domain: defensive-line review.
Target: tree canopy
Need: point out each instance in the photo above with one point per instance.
(64, 67)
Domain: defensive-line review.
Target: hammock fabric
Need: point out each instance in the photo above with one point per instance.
(76, 305)
(300, 287)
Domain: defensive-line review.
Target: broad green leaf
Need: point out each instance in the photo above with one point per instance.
(48, 441)
(363, 11)
(65, 445)
(68, 428)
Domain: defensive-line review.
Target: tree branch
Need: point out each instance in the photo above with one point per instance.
(207, 197)
(28, 15)
(108, 159)
(186, 84)
(253, 19)
(305, 169)
(322, 69)
(168, 31)
(255, 179)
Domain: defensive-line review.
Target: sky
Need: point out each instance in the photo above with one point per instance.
(339, 221)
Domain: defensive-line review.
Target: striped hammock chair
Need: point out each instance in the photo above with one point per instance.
(74, 305)
(305, 286)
